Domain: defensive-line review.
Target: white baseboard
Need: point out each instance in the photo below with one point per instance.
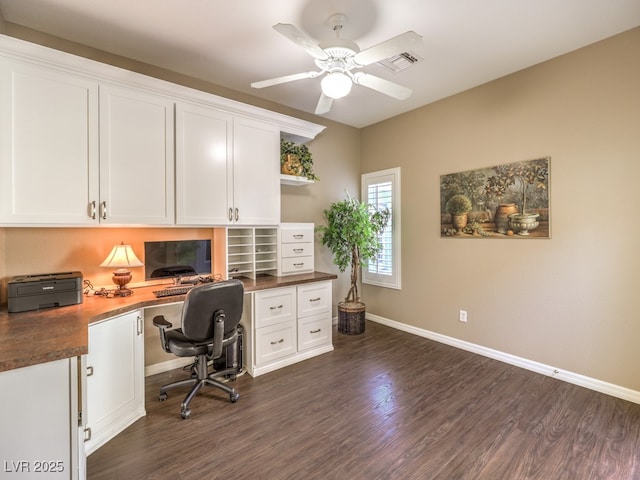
(570, 377)
(166, 366)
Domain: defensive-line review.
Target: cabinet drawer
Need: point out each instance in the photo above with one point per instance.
(275, 306)
(313, 299)
(297, 265)
(297, 249)
(314, 331)
(275, 341)
(297, 235)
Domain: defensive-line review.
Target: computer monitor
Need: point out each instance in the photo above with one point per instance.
(177, 258)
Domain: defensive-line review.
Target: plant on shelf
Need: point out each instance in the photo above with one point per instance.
(352, 234)
(296, 159)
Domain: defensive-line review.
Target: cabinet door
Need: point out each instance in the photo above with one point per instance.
(256, 172)
(203, 165)
(136, 157)
(115, 377)
(48, 146)
(38, 421)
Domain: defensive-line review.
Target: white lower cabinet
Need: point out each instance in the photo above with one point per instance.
(39, 421)
(114, 378)
(289, 324)
(274, 342)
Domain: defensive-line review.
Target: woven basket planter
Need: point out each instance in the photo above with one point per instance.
(351, 318)
(291, 166)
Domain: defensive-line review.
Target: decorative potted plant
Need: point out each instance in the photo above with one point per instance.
(352, 233)
(296, 159)
(459, 207)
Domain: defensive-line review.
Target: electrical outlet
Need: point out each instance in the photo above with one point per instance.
(463, 316)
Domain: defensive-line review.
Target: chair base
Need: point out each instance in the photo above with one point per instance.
(202, 378)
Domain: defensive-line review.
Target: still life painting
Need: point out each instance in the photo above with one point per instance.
(505, 201)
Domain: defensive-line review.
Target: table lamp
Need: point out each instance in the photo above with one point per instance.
(122, 258)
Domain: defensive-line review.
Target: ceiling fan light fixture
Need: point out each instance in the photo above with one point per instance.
(336, 85)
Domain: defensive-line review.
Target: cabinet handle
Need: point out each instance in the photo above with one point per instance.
(92, 210)
(315, 331)
(103, 210)
(298, 265)
(298, 250)
(298, 236)
(278, 341)
(230, 214)
(275, 308)
(237, 215)
(139, 325)
(89, 371)
(87, 434)
(317, 299)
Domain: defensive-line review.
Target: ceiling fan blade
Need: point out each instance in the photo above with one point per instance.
(324, 104)
(284, 79)
(381, 85)
(399, 44)
(299, 38)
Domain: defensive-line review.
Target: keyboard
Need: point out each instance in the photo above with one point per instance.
(168, 292)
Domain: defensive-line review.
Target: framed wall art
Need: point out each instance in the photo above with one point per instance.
(506, 201)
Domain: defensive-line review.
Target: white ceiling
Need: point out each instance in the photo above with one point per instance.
(231, 43)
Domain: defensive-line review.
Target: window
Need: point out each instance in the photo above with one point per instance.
(382, 190)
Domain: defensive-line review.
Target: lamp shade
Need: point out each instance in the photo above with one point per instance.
(121, 256)
(336, 85)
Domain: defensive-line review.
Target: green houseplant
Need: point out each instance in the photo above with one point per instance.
(352, 233)
(296, 159)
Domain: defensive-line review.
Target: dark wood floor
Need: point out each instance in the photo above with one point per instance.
(383, 405)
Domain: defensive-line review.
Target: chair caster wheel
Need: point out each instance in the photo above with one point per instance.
(185, 413)
(162, 397)
(234, 397)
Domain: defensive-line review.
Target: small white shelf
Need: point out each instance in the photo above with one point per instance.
(294, 180)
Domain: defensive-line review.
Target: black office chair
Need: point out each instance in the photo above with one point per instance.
(210, 318)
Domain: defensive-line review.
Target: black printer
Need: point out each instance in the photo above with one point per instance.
(45, 290)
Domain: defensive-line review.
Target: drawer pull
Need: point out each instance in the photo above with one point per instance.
(275, 308)
(317, 299)
(278, 341)
(298, 250)
(315, 331)
(298, 265)
(298, 236)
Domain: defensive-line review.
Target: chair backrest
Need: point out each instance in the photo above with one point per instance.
(201, 304)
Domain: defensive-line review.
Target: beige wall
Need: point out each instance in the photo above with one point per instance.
(569, 301)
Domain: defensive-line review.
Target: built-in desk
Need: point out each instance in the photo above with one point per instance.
(43, 376)
(31, 338)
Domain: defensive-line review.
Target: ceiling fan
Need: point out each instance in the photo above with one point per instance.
(340, 58)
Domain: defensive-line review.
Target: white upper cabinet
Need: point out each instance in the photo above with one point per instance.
(204, 165)
(227, 168)
(136, 157)
(84, 143)
(48, 145)
(256, 172)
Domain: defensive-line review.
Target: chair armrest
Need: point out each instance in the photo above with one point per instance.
(160, 322)
(218, 333)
